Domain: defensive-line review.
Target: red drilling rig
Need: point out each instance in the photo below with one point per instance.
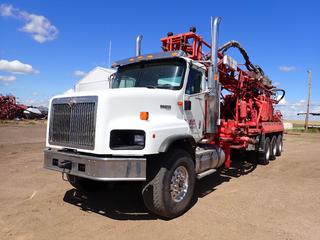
(246, 118)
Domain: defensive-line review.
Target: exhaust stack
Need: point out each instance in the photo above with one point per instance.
(213, 120)
(138, 45)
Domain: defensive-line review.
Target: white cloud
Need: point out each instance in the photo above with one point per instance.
(287, 68)
(283, 101)
(71, 90)
(36, 101)
(290, 109)
(7, 78)
(39, 27)
(6, 10)
(16, 66)
(79, 73)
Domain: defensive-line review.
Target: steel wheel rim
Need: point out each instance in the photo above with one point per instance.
(179, 184)
(274, 150)
(280, 147)
(268, 153)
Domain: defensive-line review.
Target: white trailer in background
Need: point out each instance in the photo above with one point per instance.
(96, 79)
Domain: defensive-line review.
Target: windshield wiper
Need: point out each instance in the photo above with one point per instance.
(150, 86)
(165, 86)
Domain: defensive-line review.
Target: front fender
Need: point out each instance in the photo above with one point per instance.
(165, 145)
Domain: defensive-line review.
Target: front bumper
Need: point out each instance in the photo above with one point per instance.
(96, 168)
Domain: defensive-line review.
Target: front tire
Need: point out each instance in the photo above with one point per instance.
(170, 192)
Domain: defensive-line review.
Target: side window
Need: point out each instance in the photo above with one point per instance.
(194, 82)
(127, 82)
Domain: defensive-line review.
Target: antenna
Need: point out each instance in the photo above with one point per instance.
(109, 57)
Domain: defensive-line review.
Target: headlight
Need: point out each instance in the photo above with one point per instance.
(127, 139)
(139, 139)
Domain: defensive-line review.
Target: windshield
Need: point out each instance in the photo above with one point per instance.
(166, 74)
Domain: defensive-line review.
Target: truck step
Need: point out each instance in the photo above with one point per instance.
(205, 173)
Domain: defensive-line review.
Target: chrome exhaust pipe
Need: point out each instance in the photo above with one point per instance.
(214, 48)
(138, 45)
(213, 120)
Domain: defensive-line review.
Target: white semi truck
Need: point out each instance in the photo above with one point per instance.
(155, 124)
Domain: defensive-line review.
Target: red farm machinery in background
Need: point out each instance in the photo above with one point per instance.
(246, 119)
(9, 108)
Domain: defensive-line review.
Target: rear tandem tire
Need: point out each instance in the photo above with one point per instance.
(279, 144)
(264, 156)
(169, 192)
(273, 145)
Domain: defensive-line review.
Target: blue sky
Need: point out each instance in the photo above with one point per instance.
(57, 38)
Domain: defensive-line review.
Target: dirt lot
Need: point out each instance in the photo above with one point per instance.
(278, 201)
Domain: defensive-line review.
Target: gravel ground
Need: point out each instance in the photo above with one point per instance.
(278, 201)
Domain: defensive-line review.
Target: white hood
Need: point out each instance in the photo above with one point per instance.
(120, 109)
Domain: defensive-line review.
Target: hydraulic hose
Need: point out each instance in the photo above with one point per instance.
(234, 44)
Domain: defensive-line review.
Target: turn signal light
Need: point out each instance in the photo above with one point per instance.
(144, 115)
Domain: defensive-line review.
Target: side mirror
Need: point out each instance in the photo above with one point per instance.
(111, 79)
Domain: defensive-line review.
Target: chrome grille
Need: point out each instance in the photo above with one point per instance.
(72, 122)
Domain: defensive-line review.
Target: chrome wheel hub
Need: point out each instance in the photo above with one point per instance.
(179, 184)
(268, 153)
(274, 149)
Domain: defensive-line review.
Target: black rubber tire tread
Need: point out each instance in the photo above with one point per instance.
(278, 143)
(156, 191)
(273, 146)
(262, 158)
(83, 184)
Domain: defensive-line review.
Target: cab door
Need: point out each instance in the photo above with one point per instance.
(194, 102)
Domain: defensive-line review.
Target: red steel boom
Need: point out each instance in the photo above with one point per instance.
(247, 99)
